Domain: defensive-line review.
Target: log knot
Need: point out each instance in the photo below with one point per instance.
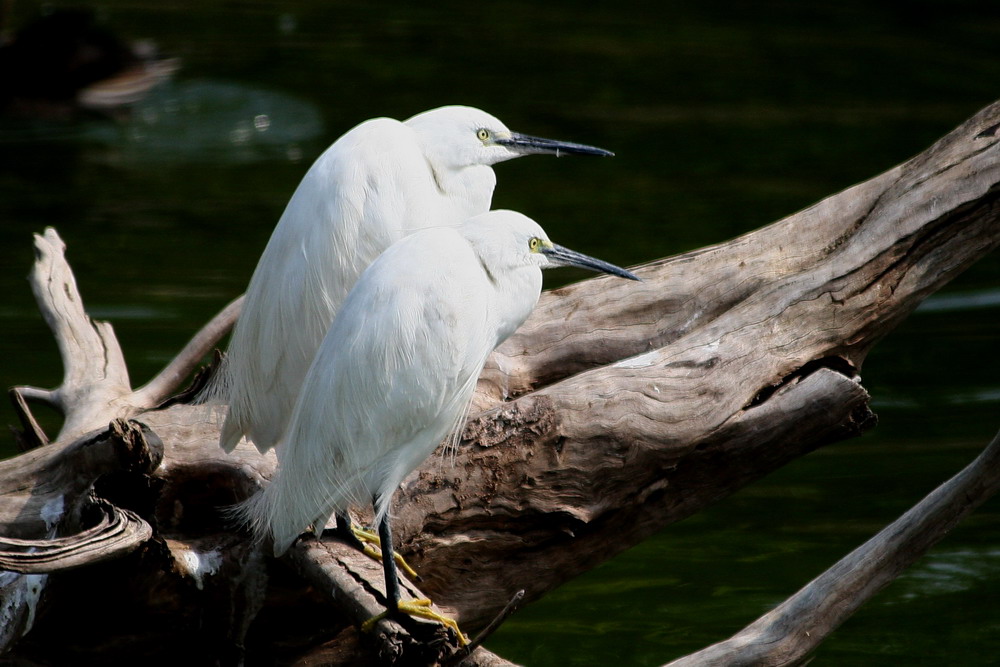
(137, 447)
(521, 422)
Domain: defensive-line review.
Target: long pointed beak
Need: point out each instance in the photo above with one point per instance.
(522, 143)
(562, 256)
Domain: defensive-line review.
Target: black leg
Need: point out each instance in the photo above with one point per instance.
(389, 565)
(343, 531)
(394, 607)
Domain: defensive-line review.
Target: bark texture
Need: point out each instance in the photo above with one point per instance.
(615, 410)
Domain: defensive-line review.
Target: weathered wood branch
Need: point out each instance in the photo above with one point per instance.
(195, 474)
(50, 520)
(95, 387)
(786, 635)
(161, 387)
(861, 259)
(116, 533)
(736, 348)
(358, 588)
(44, 492)
(31, 434)
(616, 410)
(95, 377)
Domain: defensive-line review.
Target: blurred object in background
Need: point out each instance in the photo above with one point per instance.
(212, 121)
(65, 62)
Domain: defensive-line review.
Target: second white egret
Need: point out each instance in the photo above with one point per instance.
(397, 370)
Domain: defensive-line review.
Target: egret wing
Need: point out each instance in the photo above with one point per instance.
(392, 377)
(352, 204)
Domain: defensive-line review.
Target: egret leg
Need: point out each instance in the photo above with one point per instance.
(420, 608)
(364, 540)
(345, 530)
(388, 563)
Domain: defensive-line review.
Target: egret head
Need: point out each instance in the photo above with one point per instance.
(457, 137)
(508, 240)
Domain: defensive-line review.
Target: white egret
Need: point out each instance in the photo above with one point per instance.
(397, 369)
(381, 180)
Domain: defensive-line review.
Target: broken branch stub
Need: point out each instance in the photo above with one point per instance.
(45, 492)
(51, 521)
(95, 388)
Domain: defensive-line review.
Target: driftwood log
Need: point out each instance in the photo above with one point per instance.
(615, 410)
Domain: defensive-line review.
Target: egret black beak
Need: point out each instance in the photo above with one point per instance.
(522, 143)
(561, 256)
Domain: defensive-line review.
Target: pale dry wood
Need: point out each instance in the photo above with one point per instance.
(95, 387)
(95, 378)
(45, 492)
(759, 332)
(619, 408)
(31, 435)
(786, 635)
(166, 382)
(544, 510)
(51, 522)
(117, 533)
(48, 516)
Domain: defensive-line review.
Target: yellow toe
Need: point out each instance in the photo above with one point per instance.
(368, 538)
(420, 608)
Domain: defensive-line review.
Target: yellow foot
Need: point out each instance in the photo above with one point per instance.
(419, 609)
(368, 538)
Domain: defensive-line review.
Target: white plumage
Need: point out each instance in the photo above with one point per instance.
(398, 367)
(378, 182)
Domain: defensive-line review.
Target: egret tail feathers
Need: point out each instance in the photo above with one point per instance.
(218, 392)
(230, 435)
(257, 515)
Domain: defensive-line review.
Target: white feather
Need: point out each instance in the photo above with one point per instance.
(381, 180)
(396, 371)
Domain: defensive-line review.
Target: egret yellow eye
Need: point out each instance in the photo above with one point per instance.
(534, 244)
(483, 134)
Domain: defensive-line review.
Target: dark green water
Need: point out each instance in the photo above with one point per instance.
(724, 117)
